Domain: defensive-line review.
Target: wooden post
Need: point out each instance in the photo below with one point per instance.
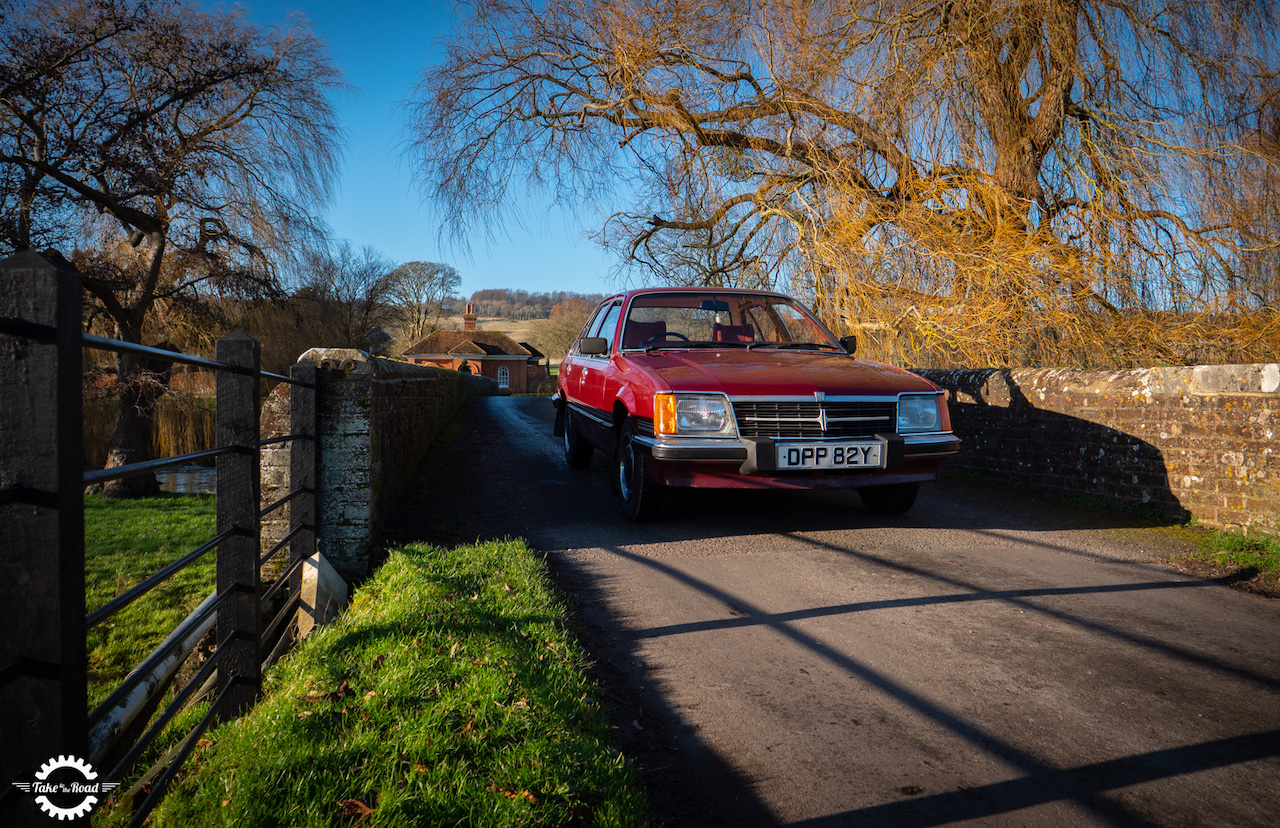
(42, 648)
(304, 461)
(239, 622)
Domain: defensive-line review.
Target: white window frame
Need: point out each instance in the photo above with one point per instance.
(504, 377)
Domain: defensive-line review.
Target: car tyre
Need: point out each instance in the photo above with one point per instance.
(641, 495)
(577, 451)
(894, 499)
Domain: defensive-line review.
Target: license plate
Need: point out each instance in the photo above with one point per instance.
(831, 456)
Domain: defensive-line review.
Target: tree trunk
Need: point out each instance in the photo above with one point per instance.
(141, 384)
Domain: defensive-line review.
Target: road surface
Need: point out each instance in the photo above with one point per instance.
(993, 657)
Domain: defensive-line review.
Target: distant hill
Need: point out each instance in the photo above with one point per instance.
(518, 329)
(522, 305)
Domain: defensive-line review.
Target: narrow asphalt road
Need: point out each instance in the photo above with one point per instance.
(993, 657)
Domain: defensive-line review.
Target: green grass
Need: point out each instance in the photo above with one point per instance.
(449, 693)
(1257, 552)
(126, 541)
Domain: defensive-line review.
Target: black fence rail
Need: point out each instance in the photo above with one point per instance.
(43, 617)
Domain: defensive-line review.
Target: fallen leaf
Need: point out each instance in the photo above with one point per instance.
(467, 729)
(420, 768)
(370, 694)
(203, 743)
(354, 810)
(379, 661)
(518, 794)
(453, 649)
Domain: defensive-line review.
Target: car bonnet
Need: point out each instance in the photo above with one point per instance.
(739, 372)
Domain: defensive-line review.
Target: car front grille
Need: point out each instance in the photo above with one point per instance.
(805, 420)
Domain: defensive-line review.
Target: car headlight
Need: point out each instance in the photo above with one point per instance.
(918, 412)
(706, 415)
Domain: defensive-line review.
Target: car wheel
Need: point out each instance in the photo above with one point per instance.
(894, 499)
(577, 451)
(640, 494)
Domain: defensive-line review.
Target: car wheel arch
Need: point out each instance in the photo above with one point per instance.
(620, 414)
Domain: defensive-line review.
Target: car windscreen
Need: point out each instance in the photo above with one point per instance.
(688, 319)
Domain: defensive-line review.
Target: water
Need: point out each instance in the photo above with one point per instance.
(188, 479)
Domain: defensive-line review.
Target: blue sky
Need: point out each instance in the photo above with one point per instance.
(382, 48)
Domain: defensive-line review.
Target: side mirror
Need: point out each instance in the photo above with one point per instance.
(850, 343)
(593, 346)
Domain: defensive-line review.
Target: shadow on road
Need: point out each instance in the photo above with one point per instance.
(1082, 784)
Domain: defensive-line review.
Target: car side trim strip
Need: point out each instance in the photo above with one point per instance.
(600, 418)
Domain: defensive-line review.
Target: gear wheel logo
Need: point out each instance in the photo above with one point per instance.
(88, 789)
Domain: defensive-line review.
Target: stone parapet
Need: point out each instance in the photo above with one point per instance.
(1197, 441)
(378, 416)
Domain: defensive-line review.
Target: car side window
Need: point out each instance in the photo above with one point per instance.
(609, 324)
(592, 326)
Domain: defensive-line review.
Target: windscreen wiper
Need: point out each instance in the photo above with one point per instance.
(693, 343)
(800, 346)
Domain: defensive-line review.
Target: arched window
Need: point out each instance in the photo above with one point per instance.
(504, 377)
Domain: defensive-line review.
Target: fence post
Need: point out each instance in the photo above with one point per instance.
(304, 460)
(239, 622)
(42, 647)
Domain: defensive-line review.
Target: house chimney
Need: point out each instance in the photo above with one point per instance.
(469, 318)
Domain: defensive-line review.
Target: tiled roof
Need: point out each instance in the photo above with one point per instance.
(493, 343)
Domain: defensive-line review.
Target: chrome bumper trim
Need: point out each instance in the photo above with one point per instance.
(692, 449)
(738, 450)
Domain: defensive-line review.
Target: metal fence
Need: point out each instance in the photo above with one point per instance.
(43, 619)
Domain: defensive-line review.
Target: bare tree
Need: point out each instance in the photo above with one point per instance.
(419, 289)
(185, 147)
(993, 181)
(555, 334)
(351, 293)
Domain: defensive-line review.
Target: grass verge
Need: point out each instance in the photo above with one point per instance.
(126, 541)
(1250, 562)
(450, 693)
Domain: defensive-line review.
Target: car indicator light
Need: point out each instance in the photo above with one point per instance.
(664, 414)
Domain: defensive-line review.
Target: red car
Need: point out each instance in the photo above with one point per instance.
(732, 388)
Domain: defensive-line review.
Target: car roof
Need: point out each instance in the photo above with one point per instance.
(647, 291)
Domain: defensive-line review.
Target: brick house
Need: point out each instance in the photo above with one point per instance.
(516, 366)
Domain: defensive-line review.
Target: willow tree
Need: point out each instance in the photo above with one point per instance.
(987, 181)
(175, 152)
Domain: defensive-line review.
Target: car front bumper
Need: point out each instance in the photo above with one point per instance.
(758, 455)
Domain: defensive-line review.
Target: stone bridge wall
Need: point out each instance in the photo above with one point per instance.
(377, 418)
(1201, 441)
